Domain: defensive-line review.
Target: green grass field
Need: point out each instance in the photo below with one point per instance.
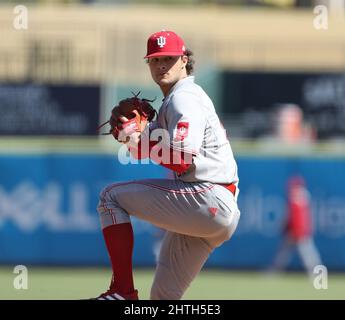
(80, 283)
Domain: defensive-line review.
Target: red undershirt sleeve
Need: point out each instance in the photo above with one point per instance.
(174, 160)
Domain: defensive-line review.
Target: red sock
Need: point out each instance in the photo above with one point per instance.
(119, 240)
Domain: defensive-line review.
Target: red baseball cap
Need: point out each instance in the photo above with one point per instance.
(165, 43)
(296, 181)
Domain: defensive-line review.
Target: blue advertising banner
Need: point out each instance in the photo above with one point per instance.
(262, 200)
(48, 210)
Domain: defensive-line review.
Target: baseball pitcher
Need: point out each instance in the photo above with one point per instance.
(198, 209)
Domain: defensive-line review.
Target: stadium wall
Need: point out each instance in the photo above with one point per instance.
(48, 209)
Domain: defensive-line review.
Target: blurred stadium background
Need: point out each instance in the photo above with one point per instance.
(277, 81)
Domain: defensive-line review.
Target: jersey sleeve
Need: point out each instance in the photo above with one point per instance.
(186, 122)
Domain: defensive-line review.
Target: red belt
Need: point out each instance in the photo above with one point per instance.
(231, 187)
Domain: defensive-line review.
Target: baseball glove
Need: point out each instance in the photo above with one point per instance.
(129, 116)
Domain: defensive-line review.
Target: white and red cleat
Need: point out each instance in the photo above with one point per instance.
(111, 295)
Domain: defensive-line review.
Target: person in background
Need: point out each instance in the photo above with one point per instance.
(298, 229)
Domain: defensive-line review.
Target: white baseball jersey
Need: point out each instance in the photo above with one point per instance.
(189, 116)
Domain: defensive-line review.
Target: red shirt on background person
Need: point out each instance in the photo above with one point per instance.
(299, 221)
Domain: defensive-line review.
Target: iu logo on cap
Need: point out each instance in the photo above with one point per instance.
(161, 41)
